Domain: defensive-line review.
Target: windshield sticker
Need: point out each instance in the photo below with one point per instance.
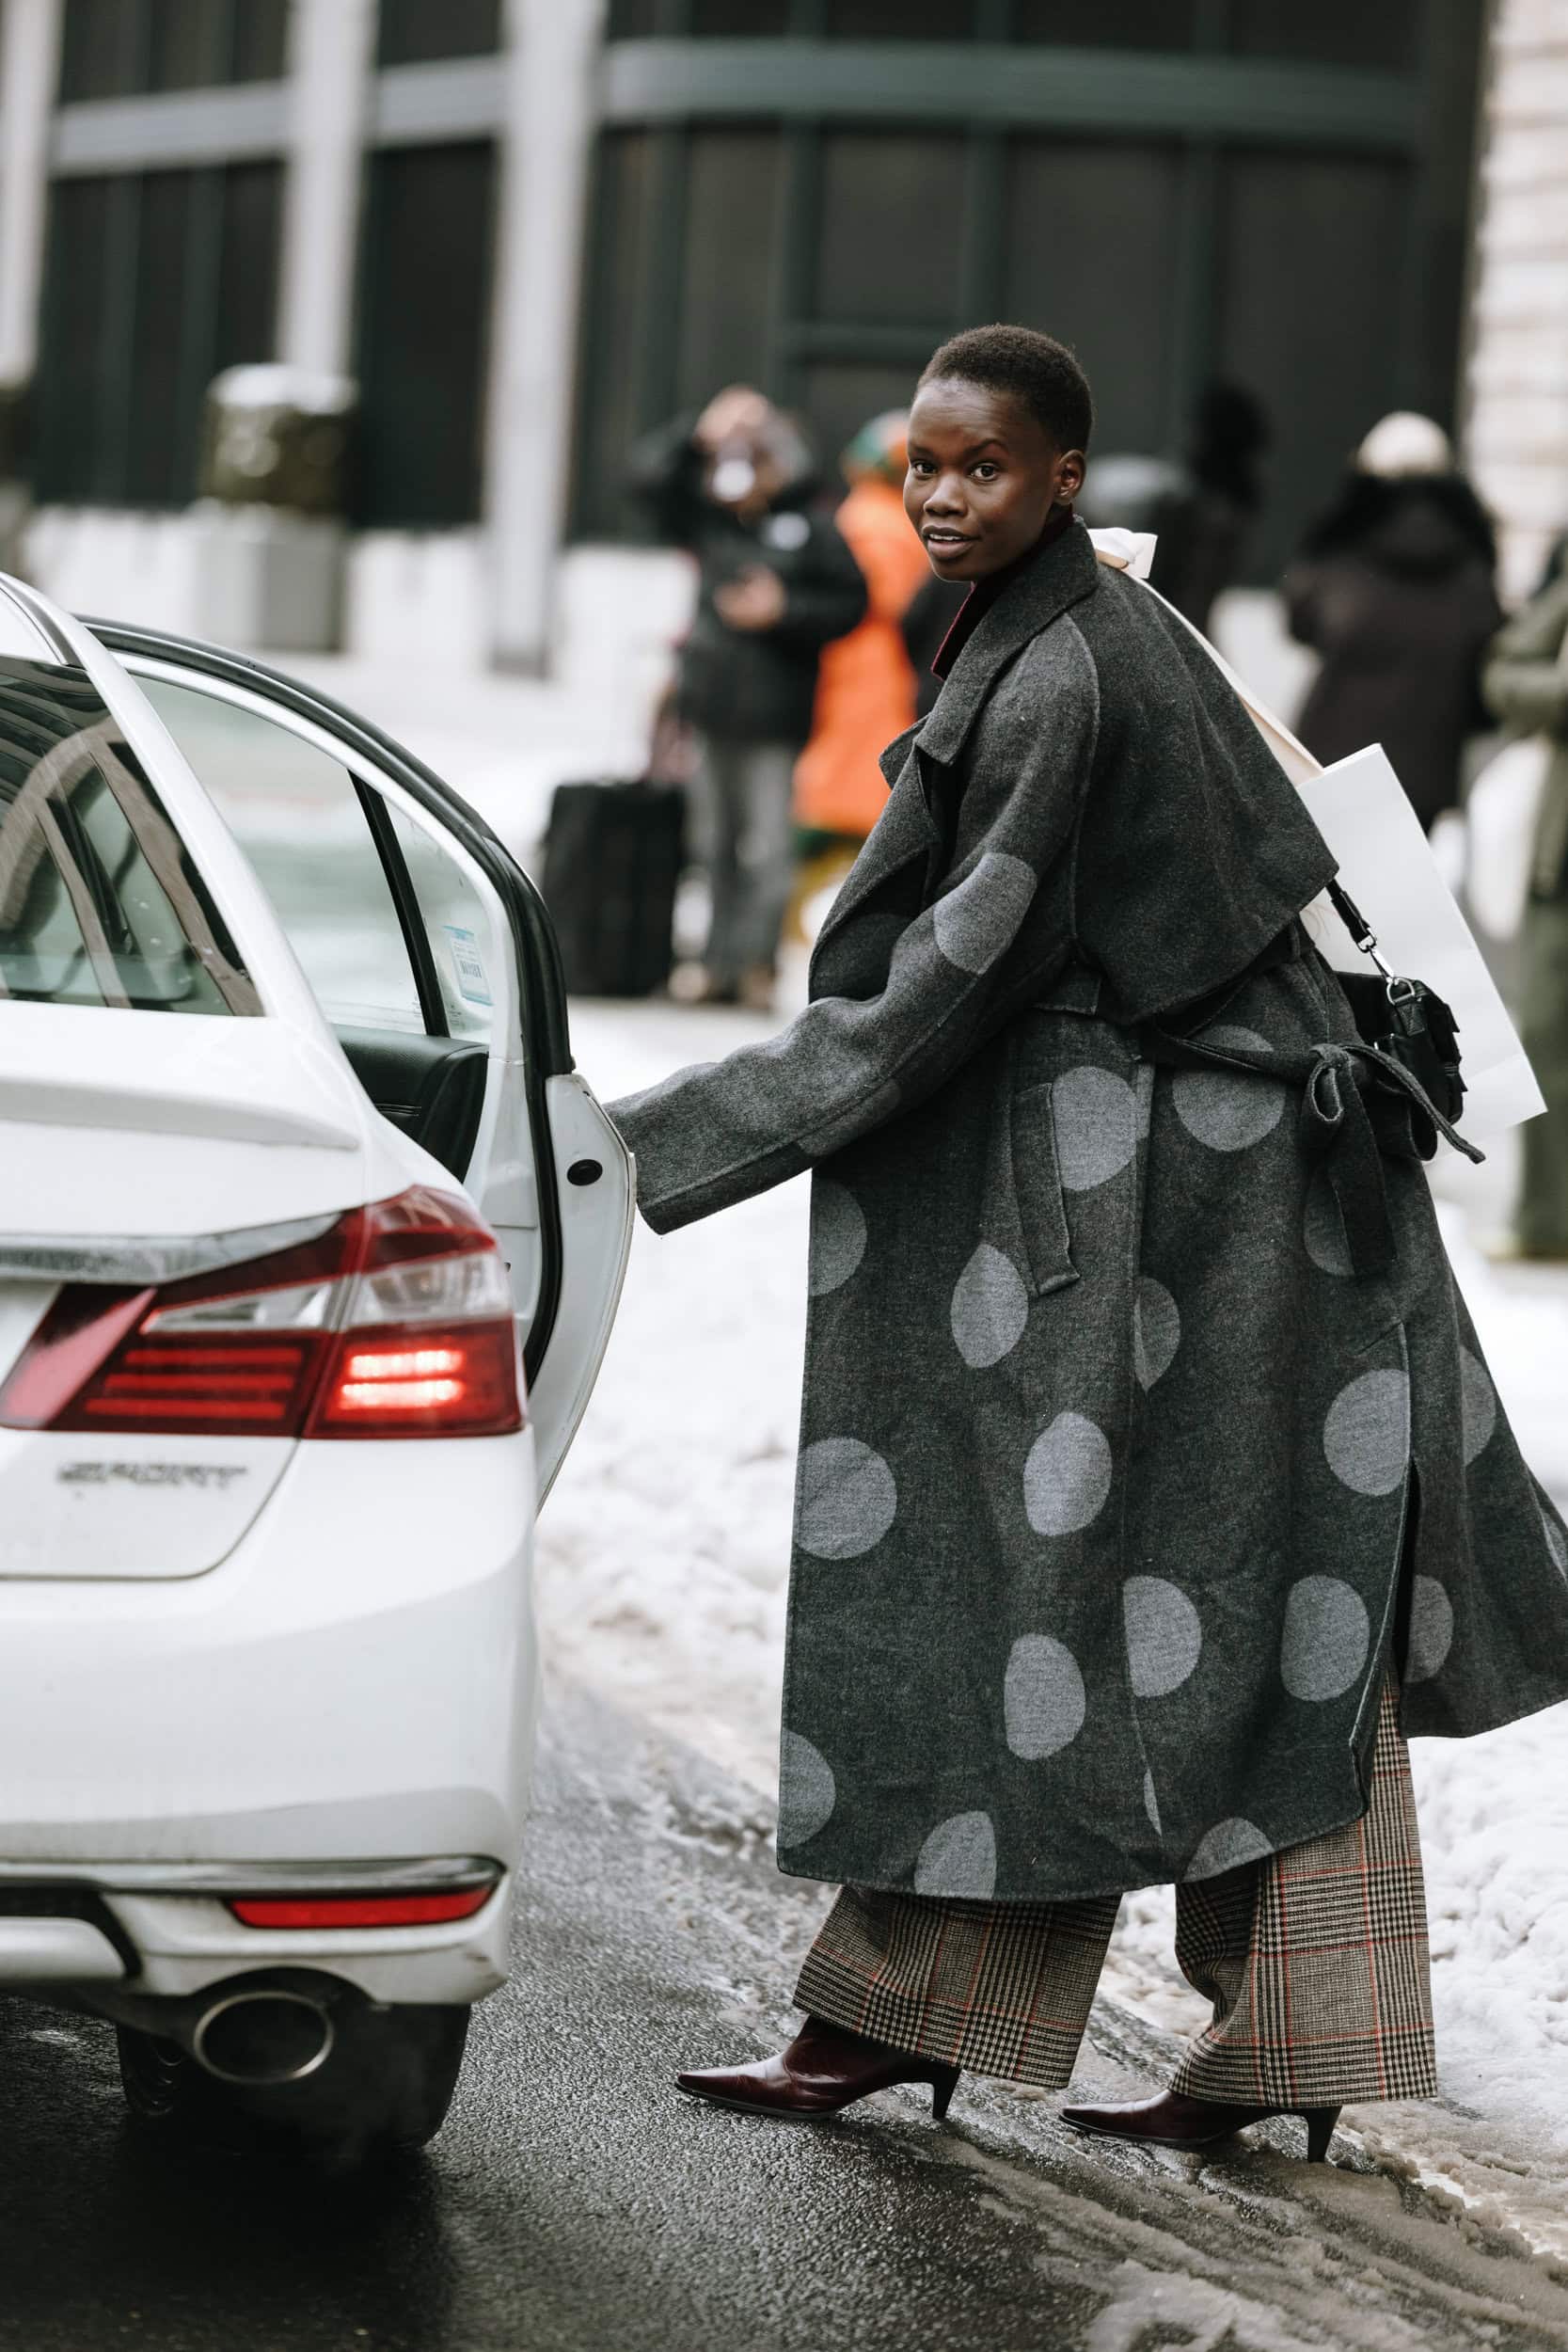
(468, 965)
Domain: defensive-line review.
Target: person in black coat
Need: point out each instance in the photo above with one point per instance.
(1394, 588)
(776, 583)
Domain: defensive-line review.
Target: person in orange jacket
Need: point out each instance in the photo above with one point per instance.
(865, 686)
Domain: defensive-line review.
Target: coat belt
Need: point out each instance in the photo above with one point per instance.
(1340, 1088)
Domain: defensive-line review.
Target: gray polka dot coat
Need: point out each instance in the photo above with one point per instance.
(1123, 1473)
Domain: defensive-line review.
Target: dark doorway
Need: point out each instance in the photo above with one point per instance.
(154, 281)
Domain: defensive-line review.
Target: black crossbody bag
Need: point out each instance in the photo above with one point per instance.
(1405, 1019)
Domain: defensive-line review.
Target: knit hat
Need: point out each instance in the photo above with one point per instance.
(879, 448)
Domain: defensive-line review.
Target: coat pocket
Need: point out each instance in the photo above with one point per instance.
(1036, 1187)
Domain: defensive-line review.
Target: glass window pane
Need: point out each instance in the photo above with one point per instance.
(733, 181)
(900, 19)
(261, 40)
(729, 18)
(466, 953)
(102, 49)
(189, 44)
(1111, 24)
(422, 333)
(296, 813)
(122, 382)
(615, 328)
(78, 345)
(1330, 32)
(1311, 251)
(892, 210)
(159, 442)
(244, 323)
(1090, 258)
(100, 903)
(412, 31)
(121, 48)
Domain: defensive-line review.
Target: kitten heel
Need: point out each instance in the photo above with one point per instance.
(1319, 2122)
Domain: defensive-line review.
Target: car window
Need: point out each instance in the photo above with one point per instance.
(457, 926)
(296, 813)
(101, 903)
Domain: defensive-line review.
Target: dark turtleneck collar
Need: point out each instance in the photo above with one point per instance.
(984, 593)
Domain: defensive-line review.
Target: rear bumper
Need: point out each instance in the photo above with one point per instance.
(156, 1931)
(355, 1686)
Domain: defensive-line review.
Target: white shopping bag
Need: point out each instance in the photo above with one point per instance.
(1386, 866)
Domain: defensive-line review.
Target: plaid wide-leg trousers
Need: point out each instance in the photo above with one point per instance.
(1315, 1961)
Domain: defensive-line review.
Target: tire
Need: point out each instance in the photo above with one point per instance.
(385, 2084)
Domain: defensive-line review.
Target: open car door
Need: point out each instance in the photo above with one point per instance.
(431, 954)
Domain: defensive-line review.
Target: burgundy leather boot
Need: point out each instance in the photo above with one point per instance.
(1175, 2120)
(823, 2070)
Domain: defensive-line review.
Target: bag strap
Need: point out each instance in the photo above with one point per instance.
(1365, 937)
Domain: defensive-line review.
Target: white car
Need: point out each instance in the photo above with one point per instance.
(310, 1241)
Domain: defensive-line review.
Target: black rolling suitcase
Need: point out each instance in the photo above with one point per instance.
(614, 854)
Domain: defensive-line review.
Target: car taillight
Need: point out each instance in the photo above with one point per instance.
(361, 1911)
(396, 1321)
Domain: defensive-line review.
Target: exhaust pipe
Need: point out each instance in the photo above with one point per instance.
(267, 2035)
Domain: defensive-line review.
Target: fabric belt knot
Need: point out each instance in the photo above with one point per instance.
(1335, 1122)
(1326, 1096)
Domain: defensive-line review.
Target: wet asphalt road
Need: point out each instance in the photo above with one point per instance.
(575, 2204)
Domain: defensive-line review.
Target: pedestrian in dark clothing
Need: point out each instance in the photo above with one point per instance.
(1150, 1475)
(776, 583)
(1526, 682)
(1199, 510)
(1394, 589)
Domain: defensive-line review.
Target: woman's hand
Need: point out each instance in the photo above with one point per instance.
(735, 413)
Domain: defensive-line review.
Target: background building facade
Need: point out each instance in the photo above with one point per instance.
(1517, 420)
(530, 229)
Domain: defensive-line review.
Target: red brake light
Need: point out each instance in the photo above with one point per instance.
(385, 1383)
(395, 1323)
(359, 1911)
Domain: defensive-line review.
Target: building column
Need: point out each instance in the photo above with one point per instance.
(1518, 423)
(330, 46)
(552, 54)
(29, 72)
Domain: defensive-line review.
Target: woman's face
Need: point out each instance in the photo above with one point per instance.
(984, 475)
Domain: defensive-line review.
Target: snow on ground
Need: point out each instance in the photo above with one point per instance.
(663, 1560)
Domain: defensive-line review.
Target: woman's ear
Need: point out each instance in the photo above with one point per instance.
(1067, 477)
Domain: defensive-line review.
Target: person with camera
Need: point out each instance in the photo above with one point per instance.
(776, 583)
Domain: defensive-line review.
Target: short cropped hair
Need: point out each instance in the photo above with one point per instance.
(1042, 375)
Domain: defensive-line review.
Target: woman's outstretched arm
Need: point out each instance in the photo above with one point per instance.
(992, 936)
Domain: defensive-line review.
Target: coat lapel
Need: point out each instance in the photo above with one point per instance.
(905, 830)
(908, 828)
(1066, 573)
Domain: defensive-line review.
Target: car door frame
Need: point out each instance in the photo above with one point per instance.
(541, 982)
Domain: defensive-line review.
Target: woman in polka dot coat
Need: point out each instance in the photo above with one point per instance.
(1150, 1477)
